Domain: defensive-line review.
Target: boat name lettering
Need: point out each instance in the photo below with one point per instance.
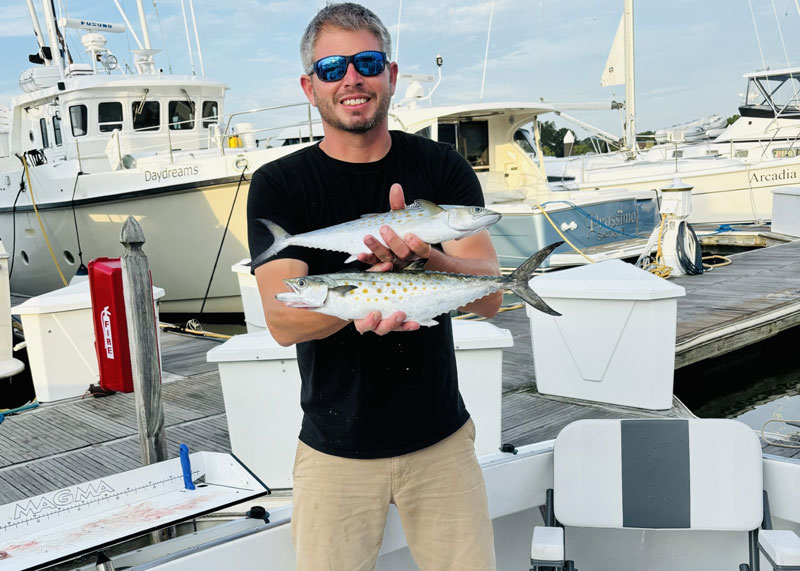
(164, 174)
(597, 224)
(62, 499)
(785, 174)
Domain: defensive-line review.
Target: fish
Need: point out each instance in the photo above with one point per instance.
(432, 223)
(421, 295)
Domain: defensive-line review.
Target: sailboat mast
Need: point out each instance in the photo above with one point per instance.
(630, 95)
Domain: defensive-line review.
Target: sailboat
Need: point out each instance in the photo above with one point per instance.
(732, 170)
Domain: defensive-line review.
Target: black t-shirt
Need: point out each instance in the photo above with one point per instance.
(366, 396)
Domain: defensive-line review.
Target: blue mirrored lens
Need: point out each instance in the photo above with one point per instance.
(369, 64)
(331, 68)
(334, 68)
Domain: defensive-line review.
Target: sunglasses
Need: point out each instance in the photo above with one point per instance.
(333, 68)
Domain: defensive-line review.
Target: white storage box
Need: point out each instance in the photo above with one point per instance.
(261, 388)
(60, 340)
(615, 339)
(786, 210)
(479, 359)
(251, 299)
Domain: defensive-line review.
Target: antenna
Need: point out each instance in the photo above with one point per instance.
(486, 55)
(397, 43)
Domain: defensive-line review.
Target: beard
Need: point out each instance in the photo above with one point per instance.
(356, 124)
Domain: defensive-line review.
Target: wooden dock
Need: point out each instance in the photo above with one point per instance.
(76, 440)
(734, 306)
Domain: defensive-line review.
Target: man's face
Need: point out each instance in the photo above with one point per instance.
(355, 103)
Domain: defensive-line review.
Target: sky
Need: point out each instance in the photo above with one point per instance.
(690, 54)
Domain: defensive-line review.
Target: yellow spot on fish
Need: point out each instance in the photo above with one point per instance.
(393, 292)
(374, 284)
(385, 298)
(364, 290)
(380, 290)
(405, 289)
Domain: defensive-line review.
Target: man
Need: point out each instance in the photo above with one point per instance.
(383, 419)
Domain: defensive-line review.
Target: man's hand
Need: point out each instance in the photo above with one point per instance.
(398, 255)
(374, 323)
(398, 252)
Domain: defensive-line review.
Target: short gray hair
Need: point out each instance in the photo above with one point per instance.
(345, 16)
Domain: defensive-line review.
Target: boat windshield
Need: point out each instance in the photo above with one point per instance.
(772, 95)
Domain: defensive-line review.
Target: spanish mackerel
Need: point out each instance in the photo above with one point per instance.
(433, 224)
(420, 295)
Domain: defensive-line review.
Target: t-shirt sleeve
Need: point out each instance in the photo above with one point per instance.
(269, 198)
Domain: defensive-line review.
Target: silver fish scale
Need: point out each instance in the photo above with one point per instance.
(421, 296)
(349, 236)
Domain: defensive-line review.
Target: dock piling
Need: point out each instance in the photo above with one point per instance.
(143, 339)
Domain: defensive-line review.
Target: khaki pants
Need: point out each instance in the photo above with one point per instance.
(340, 507)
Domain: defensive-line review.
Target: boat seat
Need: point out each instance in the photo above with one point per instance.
(662, 474)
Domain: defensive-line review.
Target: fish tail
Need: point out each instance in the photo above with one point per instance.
(520, 277)
(280, 237)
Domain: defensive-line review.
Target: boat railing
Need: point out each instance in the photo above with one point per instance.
(122, 143)
(306, 104)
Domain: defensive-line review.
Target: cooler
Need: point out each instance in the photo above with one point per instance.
(60, 341)
(615, 339)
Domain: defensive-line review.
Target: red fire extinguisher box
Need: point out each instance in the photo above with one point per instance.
(110, 324)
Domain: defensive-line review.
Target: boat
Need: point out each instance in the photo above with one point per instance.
(490, 136)
(733, 169)
(85, 145)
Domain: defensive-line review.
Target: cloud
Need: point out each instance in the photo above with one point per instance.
(15, 22)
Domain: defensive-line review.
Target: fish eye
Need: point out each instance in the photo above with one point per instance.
(301, 282)
(477, 209)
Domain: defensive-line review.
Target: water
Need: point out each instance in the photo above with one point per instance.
(753, 385)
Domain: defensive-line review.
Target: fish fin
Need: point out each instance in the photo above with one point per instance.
(428, 322)
(351, 259)
(342, 289)
(519, 279)
(428, 206)
(371, 214)
(279, 238)
(415, 266)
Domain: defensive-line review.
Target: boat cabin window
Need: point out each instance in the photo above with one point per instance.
(146, 116)
(210, 113)
(43, 128)
(470, 139)
(78, 120)
(781, 91)
(677, 154)
(522, 139)
(447, 134)
(109, 116)
(57, 130)
(181, 115)
(424, 132)
(741, 154)
(785, 153)
(475, 142)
